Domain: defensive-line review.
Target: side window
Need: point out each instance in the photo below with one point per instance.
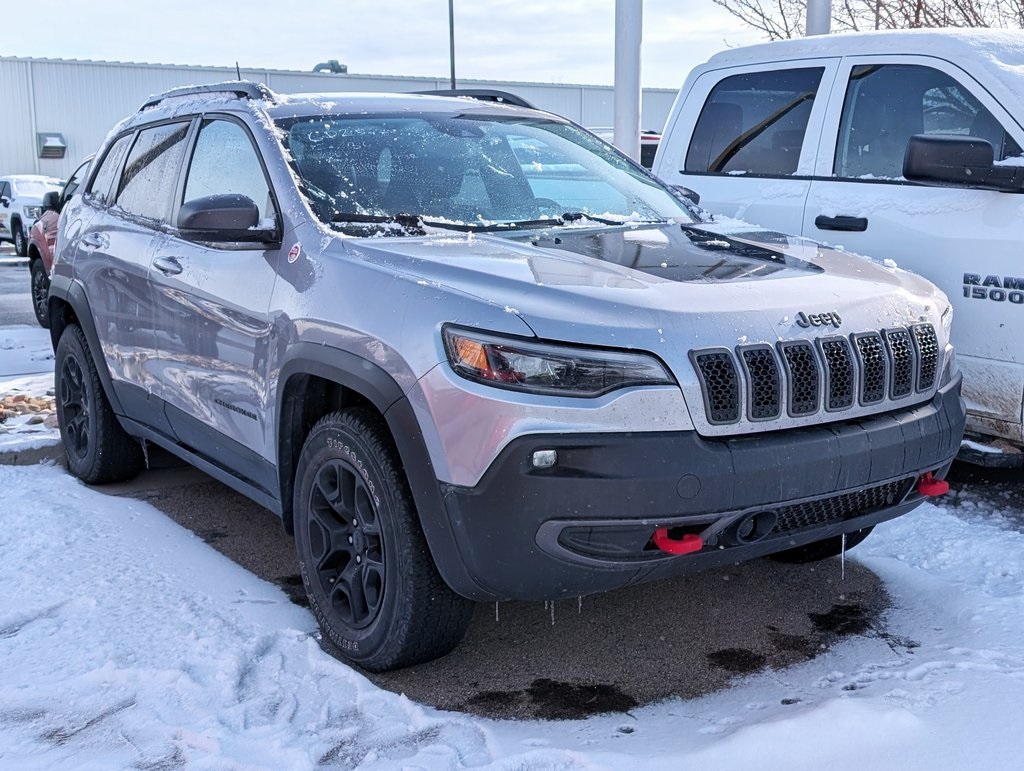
(5, 190)
(887, 104)
(225, 161)
(99, 190)
(151, 171)
(72, 185)
(754, 123)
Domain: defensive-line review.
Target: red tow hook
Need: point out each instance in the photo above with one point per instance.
(928, 486)
(688, 544)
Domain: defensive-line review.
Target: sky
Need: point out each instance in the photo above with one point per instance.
(571, 41)
(126, 641)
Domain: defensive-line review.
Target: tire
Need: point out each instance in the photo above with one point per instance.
(365, 564)
(98, 449)
(820, 550)
(20, 242)
(40, 292)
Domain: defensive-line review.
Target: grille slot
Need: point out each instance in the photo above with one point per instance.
(901, 357)
(763, 389)
(927, 346)
(841, 507)
(873, 367)
(802, 378)
(840, 375)
(720, 385)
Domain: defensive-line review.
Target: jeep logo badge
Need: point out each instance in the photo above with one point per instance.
(818, 319)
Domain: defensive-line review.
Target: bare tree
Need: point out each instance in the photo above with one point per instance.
(780, 19)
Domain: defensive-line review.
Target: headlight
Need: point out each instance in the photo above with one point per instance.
(949, 366)
(548, 368)
(35, 212)
(947, 320)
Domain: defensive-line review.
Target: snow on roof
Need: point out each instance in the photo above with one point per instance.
(1000, 47)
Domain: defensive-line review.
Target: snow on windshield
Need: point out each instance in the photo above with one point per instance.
(467, 170)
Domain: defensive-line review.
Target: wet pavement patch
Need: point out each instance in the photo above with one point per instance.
(844, 619)
(555, 700)
(739, 661)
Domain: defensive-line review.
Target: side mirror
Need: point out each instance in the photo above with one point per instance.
(51, 201)
(5, 201)
(225, 217)
(958, 161)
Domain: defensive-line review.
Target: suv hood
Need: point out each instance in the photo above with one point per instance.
(699, 284)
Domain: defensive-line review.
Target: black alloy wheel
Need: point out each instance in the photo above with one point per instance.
(371, 580)
(346, 543)
(98, 449)
(40, 292)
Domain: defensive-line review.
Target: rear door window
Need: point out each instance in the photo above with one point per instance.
(754, 123)
(151, 171)
(99, 190)
(887, 104)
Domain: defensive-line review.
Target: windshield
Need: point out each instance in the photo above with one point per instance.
(469, 172)
(34, 188)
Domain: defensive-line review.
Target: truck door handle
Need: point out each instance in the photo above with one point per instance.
(169, 266)
(842, 222)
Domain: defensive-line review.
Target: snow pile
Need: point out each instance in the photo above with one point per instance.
(27, 417)
(126, 641)
(24, 350)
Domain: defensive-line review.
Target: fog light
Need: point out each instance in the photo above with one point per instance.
(544, 458)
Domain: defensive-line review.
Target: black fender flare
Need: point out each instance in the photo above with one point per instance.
(72, 293)
(375, 384)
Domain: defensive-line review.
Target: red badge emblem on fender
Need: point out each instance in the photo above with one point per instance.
(293, 253)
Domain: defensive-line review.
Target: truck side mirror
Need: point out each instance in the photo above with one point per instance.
(958, 161)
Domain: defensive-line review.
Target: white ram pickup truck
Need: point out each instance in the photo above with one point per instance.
(903, 146)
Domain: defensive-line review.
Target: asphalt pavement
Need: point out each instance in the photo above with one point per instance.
(15, 297)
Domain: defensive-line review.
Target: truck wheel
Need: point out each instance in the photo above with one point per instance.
(20, 242)
(40, 292)
(98, 449)
(371, 581)
(820, 550)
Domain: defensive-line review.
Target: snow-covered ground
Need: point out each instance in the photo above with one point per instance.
(128, 642)
(26, 368)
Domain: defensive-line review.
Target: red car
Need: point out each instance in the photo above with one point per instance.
(41, 240)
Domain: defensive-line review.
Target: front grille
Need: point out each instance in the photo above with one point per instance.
(873, 365)
(720, 385)
(841, 507)
(764, 399)
(901, 356)
(799, 378)
(839, 372)
(927, 354)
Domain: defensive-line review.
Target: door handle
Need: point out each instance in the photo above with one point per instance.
(842, 222)
(169, 266)
(95, 240)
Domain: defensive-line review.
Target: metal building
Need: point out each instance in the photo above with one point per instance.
(58, 111)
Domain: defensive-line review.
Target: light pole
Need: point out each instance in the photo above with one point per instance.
(628, 36)
(451, 38)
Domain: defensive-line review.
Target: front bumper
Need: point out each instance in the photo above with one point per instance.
(585, 525)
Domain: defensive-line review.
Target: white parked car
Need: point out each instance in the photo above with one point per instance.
(21, 203)
(810, 136)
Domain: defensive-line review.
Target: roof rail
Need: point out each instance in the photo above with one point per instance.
(483, 94)
(243, 89)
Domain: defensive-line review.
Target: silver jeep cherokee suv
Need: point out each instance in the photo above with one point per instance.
(468, 351)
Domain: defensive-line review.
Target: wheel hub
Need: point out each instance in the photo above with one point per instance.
(346, 543)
